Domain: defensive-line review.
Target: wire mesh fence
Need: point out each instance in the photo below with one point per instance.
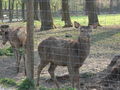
(91, 53)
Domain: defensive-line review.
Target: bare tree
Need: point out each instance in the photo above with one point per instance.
(65, 14)
(36, 17)
(23, 10)
(46, 15)
(30, 41)
(1, 13)
(92, 12)
(11, 9)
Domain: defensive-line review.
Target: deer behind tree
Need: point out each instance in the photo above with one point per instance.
(70, 53)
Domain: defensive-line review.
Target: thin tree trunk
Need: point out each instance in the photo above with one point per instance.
(92, 12)
(36, 17)
(111, 6)
(11, 8)
(29, 42)
(45, 15)
(1, 13)
(65, 14)
(23, 10)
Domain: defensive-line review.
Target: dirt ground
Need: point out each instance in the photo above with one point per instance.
(91, 72)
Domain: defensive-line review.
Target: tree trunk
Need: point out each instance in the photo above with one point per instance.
(92, 12)
(111, 6)
(113, 70)
(1, 13)
(65, 14)
(46, 15)
(29, 42)
(36, 17)
(23, 10)
(11, 10)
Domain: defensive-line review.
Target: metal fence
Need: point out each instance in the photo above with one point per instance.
(70, 47)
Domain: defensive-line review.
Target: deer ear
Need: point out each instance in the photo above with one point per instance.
(76, 24)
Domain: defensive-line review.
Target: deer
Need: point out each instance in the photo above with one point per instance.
(17, 39)
(62, 52)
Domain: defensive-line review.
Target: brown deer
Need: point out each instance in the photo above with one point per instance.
(17, 39)
(70, 53)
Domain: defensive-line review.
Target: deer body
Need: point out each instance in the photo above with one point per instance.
(63, 52)
(60, 52)
(17, 39)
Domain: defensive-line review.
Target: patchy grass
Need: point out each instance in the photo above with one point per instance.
(106, 19)
(42, 88)
(6, 51)
(26, 85)
(8, 82)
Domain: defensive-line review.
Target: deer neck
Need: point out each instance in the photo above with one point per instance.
(83, 46)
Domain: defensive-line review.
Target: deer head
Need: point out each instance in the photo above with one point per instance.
(84, 30)
(4, 33)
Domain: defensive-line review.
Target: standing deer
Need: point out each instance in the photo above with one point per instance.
(17, 39)
(70, 53)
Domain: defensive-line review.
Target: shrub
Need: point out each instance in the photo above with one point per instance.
(26, 85)
(7, 82)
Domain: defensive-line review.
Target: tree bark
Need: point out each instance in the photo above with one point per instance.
(111, 6)
(92, 12)
(45, 15)
(1, 13)
(29, 42)
(65, 14)
(113, 70)
(23, 10)
(36, 17)
(11, 10)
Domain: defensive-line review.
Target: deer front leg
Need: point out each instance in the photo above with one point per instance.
(71, 75)
(77, 78)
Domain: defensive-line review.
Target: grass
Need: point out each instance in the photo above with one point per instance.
(42, 88)
(7, 82)
(26, 84)
(105, 19)
(6, 51)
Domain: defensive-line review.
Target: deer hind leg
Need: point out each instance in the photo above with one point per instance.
(16, 53)
(18, 60)
(40, 67)
(52, 74)
(24, 64)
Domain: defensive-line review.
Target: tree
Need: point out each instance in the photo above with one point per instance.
(65, 14)
(11, 9)
(29, 42)
(1, 14)
(111, 6)
(36, 17)
(113, 70)
(92, 12)
(46, 15)
(23, 10)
